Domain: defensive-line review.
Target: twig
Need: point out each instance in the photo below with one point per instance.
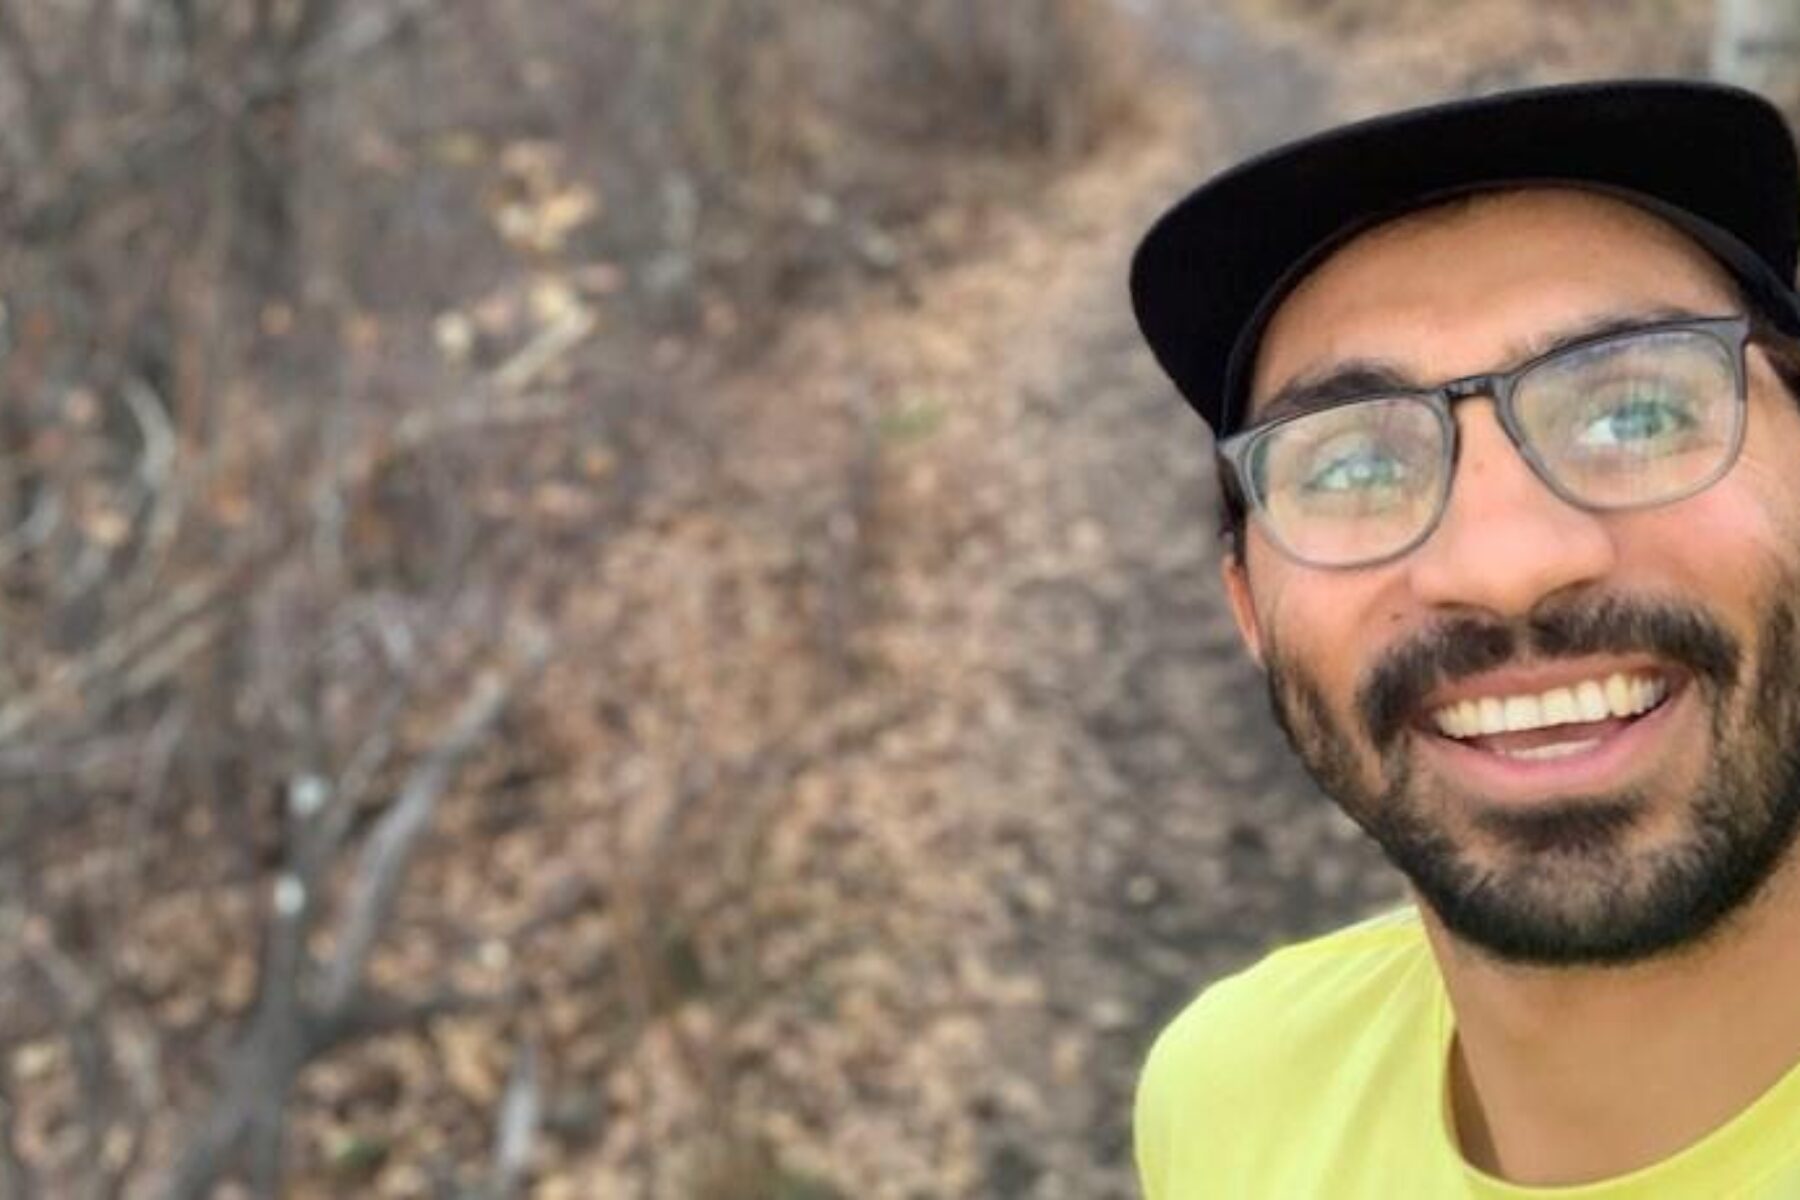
(377, 1013)
(89, 760)
(325, 833)
(168, 657)
(187, 603)
(547, 348)
(152, 777)
(477, 415)
(81, 999)
(138, 1058)
(516, 1127)
(156, 473)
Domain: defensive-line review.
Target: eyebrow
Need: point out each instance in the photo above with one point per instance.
(1347, 379)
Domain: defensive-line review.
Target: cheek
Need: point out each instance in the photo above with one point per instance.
(1331, 625)
(1768, 513)
(1733, 535)
(1730, 549)
(1765, 480)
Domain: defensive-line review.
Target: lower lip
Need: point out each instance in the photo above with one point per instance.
(1608, 764)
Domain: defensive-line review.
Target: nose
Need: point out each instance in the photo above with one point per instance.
(1506, 541)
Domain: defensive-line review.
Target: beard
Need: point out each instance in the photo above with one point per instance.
(1561, 884)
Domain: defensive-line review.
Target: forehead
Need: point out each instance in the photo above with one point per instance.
(1439, 293)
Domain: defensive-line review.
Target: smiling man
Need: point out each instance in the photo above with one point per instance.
(1509, 444)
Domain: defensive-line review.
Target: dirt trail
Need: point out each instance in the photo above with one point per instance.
(1098, 816)
(1180, 838)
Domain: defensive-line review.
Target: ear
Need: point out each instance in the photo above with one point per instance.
(1243, 607)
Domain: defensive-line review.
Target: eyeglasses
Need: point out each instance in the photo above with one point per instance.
(1618, 421)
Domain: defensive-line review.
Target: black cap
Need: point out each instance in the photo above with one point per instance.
(1716, 161)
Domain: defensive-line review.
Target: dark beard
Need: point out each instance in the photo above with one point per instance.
(1568, 890)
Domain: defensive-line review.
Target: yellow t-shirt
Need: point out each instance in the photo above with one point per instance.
(1320, 1072)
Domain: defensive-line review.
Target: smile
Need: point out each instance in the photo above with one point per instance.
(1558, 722)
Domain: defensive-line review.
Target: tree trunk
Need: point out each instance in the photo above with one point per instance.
(1756, 44)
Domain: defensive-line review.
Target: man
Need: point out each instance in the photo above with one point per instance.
(1509, 441)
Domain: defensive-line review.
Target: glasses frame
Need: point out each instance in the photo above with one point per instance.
(1732, 333)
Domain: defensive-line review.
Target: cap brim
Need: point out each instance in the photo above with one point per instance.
(1717, 160)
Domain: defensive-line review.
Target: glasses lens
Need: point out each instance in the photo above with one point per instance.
(1352, 484)
(1634, 420)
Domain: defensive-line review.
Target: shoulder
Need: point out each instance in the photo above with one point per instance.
(1253, 1049)
(1298, 990)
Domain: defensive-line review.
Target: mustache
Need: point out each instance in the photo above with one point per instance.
(1455, 649)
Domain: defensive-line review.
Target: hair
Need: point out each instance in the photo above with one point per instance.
(1782, 350)
(1233, 510)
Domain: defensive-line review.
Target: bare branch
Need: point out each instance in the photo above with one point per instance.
(287, 1030)
(264, 1064)
(390, 848)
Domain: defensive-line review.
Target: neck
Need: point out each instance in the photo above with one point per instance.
(1563, 1076)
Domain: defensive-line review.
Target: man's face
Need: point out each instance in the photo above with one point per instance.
(1601, 841)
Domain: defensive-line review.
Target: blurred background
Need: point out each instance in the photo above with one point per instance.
(598, 599)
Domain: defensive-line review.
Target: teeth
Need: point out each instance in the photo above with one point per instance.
(1558, 706)
(1489, 714)
(1617, 695)
(1592, 699)
(1524, 712)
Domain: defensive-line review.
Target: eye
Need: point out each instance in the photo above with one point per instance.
(1356, 475)
(1381, 459)
(1359, 465)
(1643, 416)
